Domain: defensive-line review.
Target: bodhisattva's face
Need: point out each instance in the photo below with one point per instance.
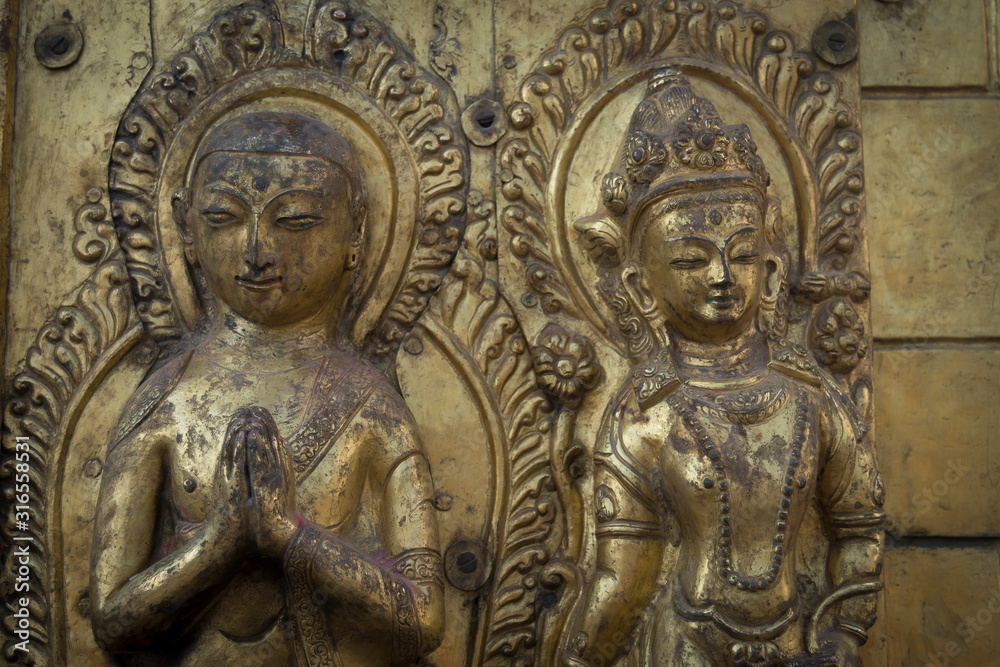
(703, 266)
(272, 232)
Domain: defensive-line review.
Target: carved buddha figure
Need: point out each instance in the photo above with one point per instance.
(725, 434)
(265, 500)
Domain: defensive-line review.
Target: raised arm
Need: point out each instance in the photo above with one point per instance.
(630, 545)
(138, 593)
(396, 597)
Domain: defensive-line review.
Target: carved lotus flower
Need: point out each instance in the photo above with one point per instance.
(701, 144)
(645, 156)
(838, 336)
(566, 366)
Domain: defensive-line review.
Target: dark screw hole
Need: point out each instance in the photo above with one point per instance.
(340, 55)
(837, 41)
(467, 562)
(485, 118)
(58, 45)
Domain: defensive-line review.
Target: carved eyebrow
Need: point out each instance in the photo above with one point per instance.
(227, 189)
(293, 191)
(743, 230)
(690, 238)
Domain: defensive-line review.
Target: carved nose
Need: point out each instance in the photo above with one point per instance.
(259, 260)
(720, 276)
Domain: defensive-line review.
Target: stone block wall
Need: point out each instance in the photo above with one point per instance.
(931, 120)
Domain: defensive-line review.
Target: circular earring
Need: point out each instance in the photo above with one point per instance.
(352, 261)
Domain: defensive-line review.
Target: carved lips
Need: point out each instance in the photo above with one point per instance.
(258, 284)
(721, 299)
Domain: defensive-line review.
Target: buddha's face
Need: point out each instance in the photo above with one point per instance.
(703, 267)
(272, 232)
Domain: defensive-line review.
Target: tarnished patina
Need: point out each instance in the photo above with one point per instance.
(442, 334)
(265, 499)
(724, 433)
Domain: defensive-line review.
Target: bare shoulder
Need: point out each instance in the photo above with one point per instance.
(146, 411)
(632, 432)
(382, 418)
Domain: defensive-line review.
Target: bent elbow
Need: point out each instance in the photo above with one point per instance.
(109, 632)
(113, 633)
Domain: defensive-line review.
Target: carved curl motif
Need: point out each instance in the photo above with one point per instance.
(837, 335)
(70, 356)
(249, 39)
(622, 44)
(531, 454)
(127, 291)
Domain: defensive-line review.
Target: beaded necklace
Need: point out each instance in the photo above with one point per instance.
(726, 571)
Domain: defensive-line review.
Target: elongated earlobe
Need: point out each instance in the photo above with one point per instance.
(357, 253)
(181, 206)
(637, 291)
(641, 296)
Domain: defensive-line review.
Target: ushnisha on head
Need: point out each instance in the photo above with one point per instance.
(705, 251)
(274, 216)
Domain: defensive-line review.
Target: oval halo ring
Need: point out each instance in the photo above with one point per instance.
(383, 155)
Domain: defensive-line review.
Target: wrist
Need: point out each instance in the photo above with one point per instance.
(855, 631)
(283, 536)
(842, 642)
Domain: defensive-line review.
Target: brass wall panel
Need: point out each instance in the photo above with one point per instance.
(64, 128)
(930, 182)
(924, 44)
(935, 216)
(943, 605)
(938, 412)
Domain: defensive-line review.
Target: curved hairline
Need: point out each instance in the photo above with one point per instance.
(199, 160)
(729, 195)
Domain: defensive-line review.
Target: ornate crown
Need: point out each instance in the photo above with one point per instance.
(677, 143)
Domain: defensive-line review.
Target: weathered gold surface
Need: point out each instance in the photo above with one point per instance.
(259, 386)
(304, 522)
(722, 434)
(942, 605)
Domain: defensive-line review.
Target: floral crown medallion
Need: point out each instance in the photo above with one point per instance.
(677, 143)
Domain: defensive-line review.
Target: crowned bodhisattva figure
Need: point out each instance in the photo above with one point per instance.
(724, 433)
(265, 500)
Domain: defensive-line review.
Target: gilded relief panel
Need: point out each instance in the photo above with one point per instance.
(447, 335)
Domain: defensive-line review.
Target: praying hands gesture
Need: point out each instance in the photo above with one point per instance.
(254, 486)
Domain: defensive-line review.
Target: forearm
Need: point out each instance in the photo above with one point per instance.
(325, 568)
(151, 602)
(855, 569)
(624, 582)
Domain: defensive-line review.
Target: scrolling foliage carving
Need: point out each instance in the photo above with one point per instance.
(618, 45)
(528, 527)
(815, 125)
(131, 292)
(72, 352)
(250, 39)
(532, 341)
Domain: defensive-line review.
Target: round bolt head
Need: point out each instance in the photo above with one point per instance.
(836, 43)
(59, 45)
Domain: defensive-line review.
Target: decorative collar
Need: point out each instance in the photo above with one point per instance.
(656, 378)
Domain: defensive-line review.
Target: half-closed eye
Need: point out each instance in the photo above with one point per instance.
(303, 221)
